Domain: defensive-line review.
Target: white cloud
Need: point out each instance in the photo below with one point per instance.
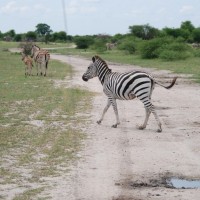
(186, 9)
(12, 7)
(43, 8)
(91, 1)
(81, 6)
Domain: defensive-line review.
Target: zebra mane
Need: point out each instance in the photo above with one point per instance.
(37, 46)
(96, 57)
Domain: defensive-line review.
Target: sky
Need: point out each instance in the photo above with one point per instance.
(90, 17)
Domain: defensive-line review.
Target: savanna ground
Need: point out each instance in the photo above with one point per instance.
(52, 148)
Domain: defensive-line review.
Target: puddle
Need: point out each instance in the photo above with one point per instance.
(183, 183)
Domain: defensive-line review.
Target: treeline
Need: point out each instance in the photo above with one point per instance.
(186, 32)
(148, 41)
(42, 33)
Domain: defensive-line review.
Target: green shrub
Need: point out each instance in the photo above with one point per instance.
(27, 46)
(99, 46)
(165, 48)
(83, 42)
(128, 46)
(151, 49)
(175, 51)
(196, 52)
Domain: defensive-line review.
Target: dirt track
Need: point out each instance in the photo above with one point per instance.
(130, 164)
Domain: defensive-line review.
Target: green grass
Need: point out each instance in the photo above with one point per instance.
(39, 126)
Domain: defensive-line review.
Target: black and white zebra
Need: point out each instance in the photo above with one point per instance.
(124, 86)
(41, 58)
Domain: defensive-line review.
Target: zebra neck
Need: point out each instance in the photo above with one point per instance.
(103, 72)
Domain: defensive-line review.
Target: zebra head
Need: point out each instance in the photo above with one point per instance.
(34, 49)
(91, 70)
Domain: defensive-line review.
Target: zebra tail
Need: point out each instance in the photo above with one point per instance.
(46, 65)
(169, 86)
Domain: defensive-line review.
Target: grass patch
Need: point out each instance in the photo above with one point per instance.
(40, 131)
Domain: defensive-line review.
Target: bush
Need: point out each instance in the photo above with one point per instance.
(151, 49)
(196, 52)
(175, 51)
(27, 46)
(98, 45)
(83, 42)
(165, 48)
(127, 46)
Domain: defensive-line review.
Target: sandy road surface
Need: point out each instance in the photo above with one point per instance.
(126, 163)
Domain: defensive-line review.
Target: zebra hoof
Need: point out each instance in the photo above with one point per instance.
(99, 122)
(159, 130)
(114, 126)
(140, 127)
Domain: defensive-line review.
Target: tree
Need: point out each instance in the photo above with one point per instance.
(11, 33)
(44, 31)
(174, 32)
(83, 42)
(145, 32)
(31, 35)
(18, 37)
(62, 36)
(187, 25)
(196, 35)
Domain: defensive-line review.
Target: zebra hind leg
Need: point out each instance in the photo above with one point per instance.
(143, 126)
(114, 104)
(157, 119)
(150, 109)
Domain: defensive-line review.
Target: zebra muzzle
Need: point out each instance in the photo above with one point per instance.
(84, 78)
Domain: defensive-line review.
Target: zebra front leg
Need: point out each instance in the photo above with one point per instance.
(143, 126)
(104, 111)
(114, 104)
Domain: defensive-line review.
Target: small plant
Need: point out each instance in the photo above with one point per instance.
(128, 46)
(26, 47)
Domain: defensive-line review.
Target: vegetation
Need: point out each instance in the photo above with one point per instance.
(37, 132)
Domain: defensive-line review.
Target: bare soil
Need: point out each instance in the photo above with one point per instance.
(130, 164)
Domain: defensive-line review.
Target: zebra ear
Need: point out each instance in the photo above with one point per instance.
(93, 59)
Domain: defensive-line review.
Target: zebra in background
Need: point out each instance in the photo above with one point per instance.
(28, 64)
(125, 86)
(41, 58)
(110, 46)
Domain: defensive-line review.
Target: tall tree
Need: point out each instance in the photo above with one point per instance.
(43, 30)
(145, 32)
(187, 25)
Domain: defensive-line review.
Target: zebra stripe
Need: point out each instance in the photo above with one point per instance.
(125, 86)
(41, 58)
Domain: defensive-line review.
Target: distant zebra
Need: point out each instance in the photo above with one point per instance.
(110, 46)
(41, 58)
(124, 86)
(28, 64)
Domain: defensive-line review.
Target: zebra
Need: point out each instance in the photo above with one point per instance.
(125, 86)
(28, 64)
(41, 58)
(110, 46)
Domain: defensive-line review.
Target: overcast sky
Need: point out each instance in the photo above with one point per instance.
(88, 17)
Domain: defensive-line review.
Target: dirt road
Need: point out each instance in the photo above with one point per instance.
(130, 164)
